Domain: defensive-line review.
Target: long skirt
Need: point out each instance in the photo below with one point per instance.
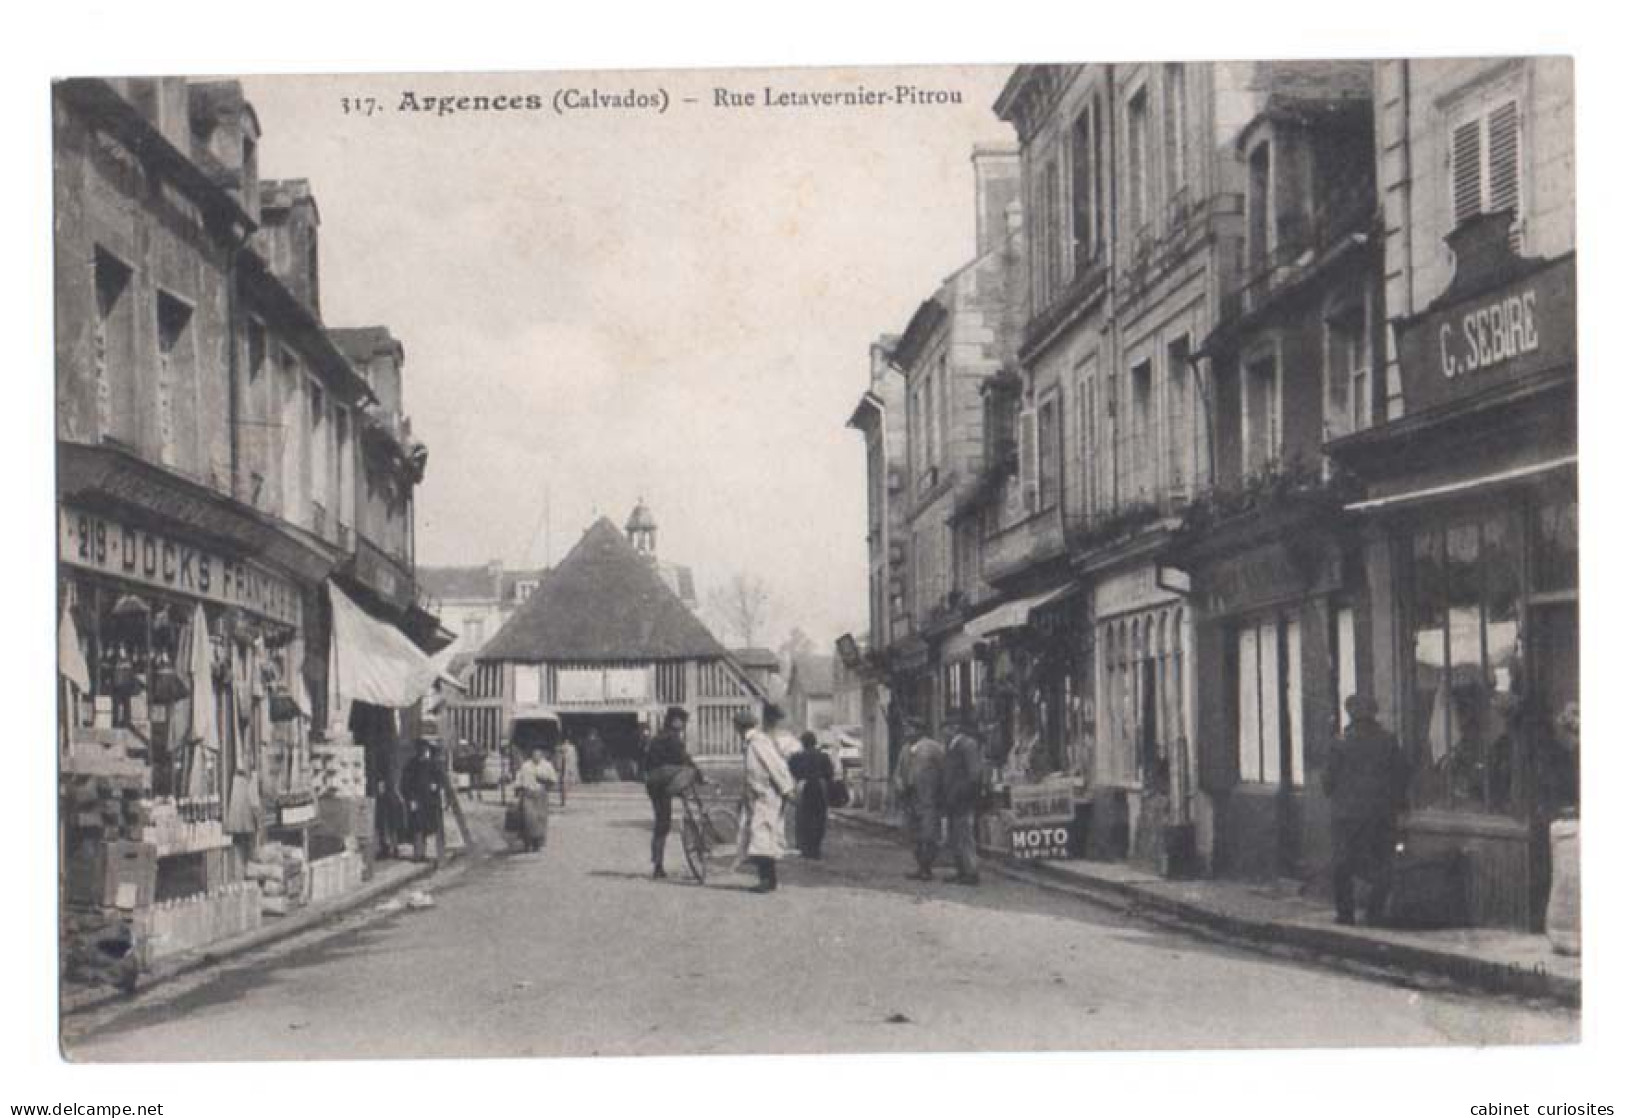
(533, 819)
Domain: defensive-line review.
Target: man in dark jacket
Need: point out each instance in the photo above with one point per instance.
(665, 763)
(961, 789)
(423, 784)
(1365, 780)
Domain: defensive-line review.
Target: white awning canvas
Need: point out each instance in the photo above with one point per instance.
(374, 662)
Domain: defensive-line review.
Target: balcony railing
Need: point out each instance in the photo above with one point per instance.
(1345, 212)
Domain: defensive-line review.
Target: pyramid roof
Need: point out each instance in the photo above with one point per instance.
(603, 602)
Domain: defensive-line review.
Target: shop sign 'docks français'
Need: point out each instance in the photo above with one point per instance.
(99, 543)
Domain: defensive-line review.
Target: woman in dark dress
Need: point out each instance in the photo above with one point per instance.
(812, 767)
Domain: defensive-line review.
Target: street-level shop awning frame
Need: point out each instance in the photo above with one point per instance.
(1013, 615)
(1463, 488)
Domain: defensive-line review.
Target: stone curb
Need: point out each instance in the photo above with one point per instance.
(1333, 947)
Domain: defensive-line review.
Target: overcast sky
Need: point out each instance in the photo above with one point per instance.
(603, 305)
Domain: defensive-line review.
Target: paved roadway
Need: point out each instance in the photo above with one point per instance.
(574, 951)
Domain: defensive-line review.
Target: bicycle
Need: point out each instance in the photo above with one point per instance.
(707, 829)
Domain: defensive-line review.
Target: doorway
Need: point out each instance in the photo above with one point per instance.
(610, 745)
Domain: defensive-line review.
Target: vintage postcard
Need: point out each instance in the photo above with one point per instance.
(1043, 557)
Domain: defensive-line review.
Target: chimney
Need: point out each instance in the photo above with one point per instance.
(287, 238)
(225, 128)
(998, 184)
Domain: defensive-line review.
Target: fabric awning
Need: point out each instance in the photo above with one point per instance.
(1012, 615)
(374, 662)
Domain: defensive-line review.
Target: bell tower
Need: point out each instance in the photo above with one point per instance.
(640, 529)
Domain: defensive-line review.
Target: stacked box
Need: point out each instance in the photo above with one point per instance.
(335, 876)
(278, 871)
(175, 927)
(130, 878)
(172, 834)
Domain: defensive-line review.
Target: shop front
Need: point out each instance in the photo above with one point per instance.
(1277, 620)
(184, 726)
(1142, 789)
(1471, 533)
(1028, 685)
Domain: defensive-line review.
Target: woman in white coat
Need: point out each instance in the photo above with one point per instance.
(768, 785)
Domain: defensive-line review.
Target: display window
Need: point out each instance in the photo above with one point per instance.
(1494, 658)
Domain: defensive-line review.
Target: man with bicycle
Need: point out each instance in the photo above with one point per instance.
(668, 770)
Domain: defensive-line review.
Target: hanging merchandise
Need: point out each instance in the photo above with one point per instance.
(204, 740)
(168, 686)
(243, 809)
(70, 657)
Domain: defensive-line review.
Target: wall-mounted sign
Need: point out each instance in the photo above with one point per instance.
(1037, 803)
(100, 543)
(1051, 840)
(1514, 331)
(1131, 590)
(1267, 575)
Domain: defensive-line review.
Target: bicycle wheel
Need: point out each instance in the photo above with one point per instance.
(694, 848)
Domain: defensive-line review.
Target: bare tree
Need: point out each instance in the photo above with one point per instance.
(742, 605)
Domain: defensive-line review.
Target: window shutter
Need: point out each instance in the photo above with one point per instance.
(1503, 162)
(1029, 459)
(1466, 171)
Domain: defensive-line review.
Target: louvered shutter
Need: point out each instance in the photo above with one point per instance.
(1466, 170)
(1029, 459)
(1503, 163)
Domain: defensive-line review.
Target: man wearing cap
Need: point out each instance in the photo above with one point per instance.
(768, 785)
(666, 760)
(1365, 779)
(961, 790)
(919, 791)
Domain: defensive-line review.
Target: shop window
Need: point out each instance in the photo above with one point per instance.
(1467, 670)
(1269, 703)
(1557, 548)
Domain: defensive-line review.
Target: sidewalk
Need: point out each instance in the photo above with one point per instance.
(1280, 921)
(391, 876)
